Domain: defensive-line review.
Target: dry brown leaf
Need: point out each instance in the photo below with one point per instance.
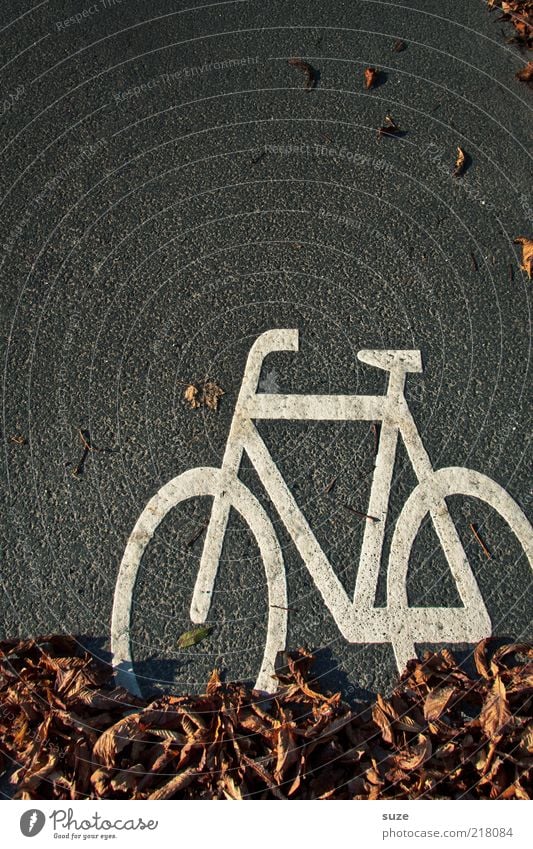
(191, 394)
(389, 127)
(214, 683)
(18, 439)
(230, 789)
(526, 742)
(511, 648)
(212, 395)
(527, 254)
(116, 738)
(437, 701)
(206, 394)
(235, 742)
(480, 659)
(520, 792)
(460, 162)
(415, 756)
(127, 779)
(382, 713)
(370, 77)
(525, 75)
(178, 782)
(495, 712)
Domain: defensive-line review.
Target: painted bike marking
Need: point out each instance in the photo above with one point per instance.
(358, 619)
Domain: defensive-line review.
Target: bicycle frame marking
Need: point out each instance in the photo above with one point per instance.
(358, 619)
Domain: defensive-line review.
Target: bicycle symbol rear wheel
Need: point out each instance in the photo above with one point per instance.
(203, 481)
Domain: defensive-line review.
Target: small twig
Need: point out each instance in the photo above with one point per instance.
(375, 430)
(197, 534)
(330, 485)
(279, 607)
(309, 71)
(18, 439)
(474, 261)
(484, 548)
(86, 440)
(361, 515)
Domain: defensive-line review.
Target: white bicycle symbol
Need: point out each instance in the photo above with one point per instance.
(359, 620)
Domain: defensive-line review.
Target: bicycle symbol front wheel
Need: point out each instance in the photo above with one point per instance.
(203, 481)
(466, 624)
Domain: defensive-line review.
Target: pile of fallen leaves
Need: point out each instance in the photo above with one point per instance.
(519, 13)
(441, 734)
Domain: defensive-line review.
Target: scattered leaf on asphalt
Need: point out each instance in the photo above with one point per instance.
(460, 162)
(527, 254)
(370, 77)
(194, 636)
(191, 395)
(520, 14)
(389, 127)
(399, 45)
(212, 395)
(206, 394)
(525, 74)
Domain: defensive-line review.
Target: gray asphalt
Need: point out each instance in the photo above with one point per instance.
(161, 207)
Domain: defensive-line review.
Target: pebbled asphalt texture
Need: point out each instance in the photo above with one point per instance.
(169, 191)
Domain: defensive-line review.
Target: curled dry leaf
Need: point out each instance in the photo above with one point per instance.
(389, 127)
(192, 395)
(437, 701)
(520, 14)
(480, 659)
(460, 162)
(212, 395)
(525, 75)
(383, 714)
(178, 782)
(116, 738)
(527, 254)
(370, 77)
(416, 755)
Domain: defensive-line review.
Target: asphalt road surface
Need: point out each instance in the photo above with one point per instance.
(170, 191)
